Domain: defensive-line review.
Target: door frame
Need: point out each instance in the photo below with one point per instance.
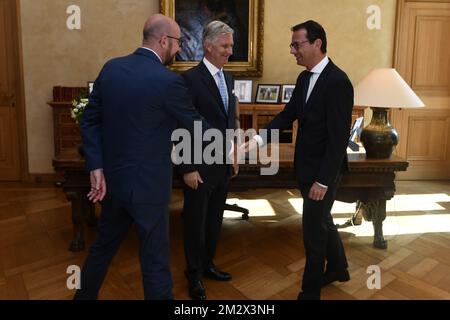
(20, 94)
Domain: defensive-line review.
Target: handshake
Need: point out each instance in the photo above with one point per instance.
(237, 153)
(236, 156)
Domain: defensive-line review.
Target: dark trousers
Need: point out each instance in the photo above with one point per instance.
(202, 221)
(322, 241)
(115, 221)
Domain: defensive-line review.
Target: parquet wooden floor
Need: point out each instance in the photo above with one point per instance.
(265, 255)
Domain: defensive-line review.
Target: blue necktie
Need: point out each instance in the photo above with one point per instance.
(223, 90)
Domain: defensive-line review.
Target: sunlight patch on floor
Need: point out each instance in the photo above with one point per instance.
(400, 203)
(394, 224)
(257, 208)
(402, 225)
(338, 206)
(417, 202)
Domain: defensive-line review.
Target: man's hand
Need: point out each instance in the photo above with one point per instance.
(317, 192)
(235, 169)
(235, 157)
(98, 186)
(248, 146)
(192, 179)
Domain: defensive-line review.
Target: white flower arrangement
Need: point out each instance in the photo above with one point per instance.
(78, 108)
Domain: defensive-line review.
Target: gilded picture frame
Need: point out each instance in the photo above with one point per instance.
(246, 17)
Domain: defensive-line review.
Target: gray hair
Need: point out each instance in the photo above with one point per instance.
(214, 29)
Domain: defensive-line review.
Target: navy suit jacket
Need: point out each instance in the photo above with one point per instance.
(126, 128)
(208, 102)
(324, 126)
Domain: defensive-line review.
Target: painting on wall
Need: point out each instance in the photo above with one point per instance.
(244, 16)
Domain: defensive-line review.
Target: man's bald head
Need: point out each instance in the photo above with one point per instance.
(157, 26)
(160, 34)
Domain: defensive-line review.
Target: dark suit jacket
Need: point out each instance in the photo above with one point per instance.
(324, 126)
(126, 127)
(208, 102)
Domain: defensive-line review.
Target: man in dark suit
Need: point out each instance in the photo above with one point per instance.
(206, 186)
(322, 103)
(126, 129)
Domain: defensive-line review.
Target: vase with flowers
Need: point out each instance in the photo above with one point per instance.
(77, 109)
(78, 106)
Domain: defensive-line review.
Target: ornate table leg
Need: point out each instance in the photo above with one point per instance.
(375, 211)
(356, 218)
(78, 220)
(89, 209)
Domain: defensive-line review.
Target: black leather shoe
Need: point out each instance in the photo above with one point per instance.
(196, 290)
(330, 277)
(216, 274)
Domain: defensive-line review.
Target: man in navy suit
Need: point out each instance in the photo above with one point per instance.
(322, 103)
(126, 128)
(206, 185)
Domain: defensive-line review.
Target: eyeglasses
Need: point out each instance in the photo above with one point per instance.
(297, 45)
(180, 41)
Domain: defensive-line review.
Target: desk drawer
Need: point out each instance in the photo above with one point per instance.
(65, 118)
(69, 142)
(70, 131)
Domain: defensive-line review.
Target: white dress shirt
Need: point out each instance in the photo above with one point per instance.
(214, 72)
(316, 71)
(153, 52)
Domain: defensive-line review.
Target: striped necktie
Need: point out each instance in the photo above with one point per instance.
(223, 90)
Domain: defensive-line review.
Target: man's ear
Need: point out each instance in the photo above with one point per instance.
(207, 47)
(163, 42)
(318, 43)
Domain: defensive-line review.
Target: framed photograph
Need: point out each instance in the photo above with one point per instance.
(286, 92)
(246, 17)
(355, 133)
(267, 93)
(90, 86)
(243, 90)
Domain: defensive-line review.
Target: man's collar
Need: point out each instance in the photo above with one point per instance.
(318, 68)
(211, 68)
(153, 52)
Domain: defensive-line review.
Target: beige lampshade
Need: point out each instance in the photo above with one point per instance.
(385, 88)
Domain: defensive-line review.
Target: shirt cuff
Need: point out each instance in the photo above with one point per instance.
(322, 185)
(259, 140)
(232, 148)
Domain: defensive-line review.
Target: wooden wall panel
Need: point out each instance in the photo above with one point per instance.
(431, 49)
(422, 144)
(422, 57)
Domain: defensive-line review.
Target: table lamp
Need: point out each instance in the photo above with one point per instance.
(382, 89)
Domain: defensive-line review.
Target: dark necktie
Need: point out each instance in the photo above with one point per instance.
(305, 84)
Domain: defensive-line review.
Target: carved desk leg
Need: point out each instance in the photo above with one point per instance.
(89, 209)
(76, 198)
(375, 211)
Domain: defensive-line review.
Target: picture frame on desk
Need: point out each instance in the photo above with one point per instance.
(268, 93)
(355, 134)
(243, 90)
(286, 92)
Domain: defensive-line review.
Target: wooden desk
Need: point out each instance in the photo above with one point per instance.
(369, 183)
